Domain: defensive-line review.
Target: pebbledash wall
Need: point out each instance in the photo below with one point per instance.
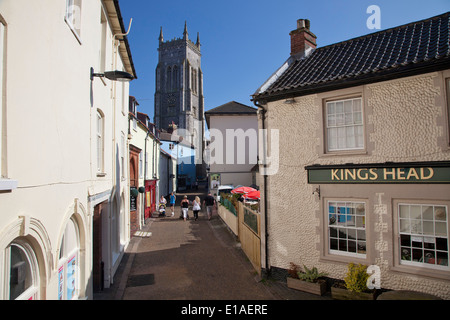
(404, 120)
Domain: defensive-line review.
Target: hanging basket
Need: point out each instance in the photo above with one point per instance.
(134, 192)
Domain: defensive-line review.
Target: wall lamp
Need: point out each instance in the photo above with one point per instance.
(113, 75)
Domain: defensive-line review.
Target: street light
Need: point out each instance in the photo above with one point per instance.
(113, 75)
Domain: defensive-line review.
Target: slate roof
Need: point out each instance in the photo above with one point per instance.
(414, 48)
(232, 107)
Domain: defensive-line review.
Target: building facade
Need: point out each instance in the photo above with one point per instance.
(179, 90)
(64, 191)
(363, 168)
(233, 131)
(145, 155)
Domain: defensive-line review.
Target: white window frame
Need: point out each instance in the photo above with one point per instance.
(64, 267)
(343, 117)
(32, 292)
(5, 183)
(410, 227)
(355, 226)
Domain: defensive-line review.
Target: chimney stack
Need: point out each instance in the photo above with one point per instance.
(303, 41)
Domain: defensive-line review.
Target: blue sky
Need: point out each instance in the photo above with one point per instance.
(244, 42)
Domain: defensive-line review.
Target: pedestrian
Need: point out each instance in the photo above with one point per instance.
(172, 200)
(210, 203)
(185, 207)
(196, 207)
(162, 206)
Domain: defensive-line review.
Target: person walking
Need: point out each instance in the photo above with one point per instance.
(185, 207)
(172, 200)
(210, 203)
(196, 207)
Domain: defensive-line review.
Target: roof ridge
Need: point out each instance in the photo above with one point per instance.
(383, 31)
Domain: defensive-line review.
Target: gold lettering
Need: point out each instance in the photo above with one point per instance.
(422, 173)
(401, 173)
(352, 174)
(386, 173)
(374, 174)
(334, 175)
(412, 173)
(362, 177)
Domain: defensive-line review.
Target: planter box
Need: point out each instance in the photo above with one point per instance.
(344, 294)
(318, 288)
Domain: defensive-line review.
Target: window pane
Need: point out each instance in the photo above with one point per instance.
(441, 228)
(339, 107)
(332, 139)
(20, 272)
(440, 213)
(347, 227)
(424, 240)
(331, 107)
(415, 212)
(348, 106)
(357, 105)
(404, 211)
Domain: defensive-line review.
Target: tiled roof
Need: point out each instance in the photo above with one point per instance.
(416, 47)
(232, 107)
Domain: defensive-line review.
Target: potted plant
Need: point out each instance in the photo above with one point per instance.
(354, 286)
(308, 281)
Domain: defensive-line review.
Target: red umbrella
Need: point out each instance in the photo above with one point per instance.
(254, 195)
(243, 190)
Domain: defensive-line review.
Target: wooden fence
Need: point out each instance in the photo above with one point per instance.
(249, 223)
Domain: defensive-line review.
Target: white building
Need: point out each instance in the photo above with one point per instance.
(145, 150)
(64, 205)
(233, 150)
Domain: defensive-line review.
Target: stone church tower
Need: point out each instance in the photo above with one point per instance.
(179, 89)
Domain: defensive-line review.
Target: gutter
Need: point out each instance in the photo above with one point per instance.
(266, 235)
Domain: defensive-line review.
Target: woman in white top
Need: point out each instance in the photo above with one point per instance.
(196, 207)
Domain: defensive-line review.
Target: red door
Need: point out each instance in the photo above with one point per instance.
(150, 198)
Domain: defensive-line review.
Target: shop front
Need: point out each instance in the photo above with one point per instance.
(150, 197)
(394, 215)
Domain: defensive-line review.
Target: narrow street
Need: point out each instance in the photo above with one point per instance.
(192, 260)
(185, 260)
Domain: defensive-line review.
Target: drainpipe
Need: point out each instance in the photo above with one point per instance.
(266, 235)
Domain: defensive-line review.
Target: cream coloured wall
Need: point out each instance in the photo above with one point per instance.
(50, 109)
(237, 159)
(404, 122)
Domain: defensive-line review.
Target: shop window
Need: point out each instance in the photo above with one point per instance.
(68, 264)
(347, 228)
(23, 272)
(344, 125)
(423, 230)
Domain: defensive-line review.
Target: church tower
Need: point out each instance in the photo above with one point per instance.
(179, 89)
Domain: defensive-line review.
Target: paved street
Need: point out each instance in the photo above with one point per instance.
(191, 260)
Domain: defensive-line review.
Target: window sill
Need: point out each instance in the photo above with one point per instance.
(345, 153)
(8, 184)
(421, 271)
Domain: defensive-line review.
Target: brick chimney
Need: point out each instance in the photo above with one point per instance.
(303, 41)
